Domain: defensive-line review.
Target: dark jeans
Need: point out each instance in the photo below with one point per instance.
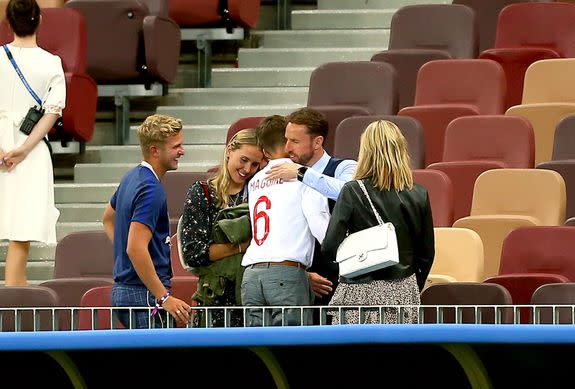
(136, 296)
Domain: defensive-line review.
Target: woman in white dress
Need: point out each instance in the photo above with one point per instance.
(27, 211)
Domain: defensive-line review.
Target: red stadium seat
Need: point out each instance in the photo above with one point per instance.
(445, 92)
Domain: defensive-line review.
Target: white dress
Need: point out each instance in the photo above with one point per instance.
(27, 210)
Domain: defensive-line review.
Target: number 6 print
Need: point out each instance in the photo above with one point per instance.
(260, 214)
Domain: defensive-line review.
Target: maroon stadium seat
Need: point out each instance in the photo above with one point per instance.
(440, 192)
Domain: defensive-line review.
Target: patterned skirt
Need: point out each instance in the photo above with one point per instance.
(380, 292)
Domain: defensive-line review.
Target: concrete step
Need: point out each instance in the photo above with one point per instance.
(36, 271)
(265, 77)
(81, 212)
(63, 229)
(91, 173)
(84, 193)
(133, 154)
(39, 252)
(342, 19)
(372, 4)
(194, 135)
(323, 38)
(237, 96)
(299, 57)
(223, 115)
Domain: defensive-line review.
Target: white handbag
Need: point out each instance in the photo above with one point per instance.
(368, 250)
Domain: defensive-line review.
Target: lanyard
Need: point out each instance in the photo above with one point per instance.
(11, 58)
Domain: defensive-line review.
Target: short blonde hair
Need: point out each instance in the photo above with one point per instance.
(383, 157)
(156, 129)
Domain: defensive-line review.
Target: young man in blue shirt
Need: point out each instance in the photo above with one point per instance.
(136, 221)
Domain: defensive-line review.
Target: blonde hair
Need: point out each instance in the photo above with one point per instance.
(221, 181)
(383, 157)
(156, 129)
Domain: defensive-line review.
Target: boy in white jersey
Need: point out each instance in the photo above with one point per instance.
(286, 218)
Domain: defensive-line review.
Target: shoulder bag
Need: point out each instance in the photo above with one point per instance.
(368, 250)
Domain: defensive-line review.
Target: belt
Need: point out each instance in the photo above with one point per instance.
(282, 263)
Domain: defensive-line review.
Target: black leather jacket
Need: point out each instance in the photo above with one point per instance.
(410, 213)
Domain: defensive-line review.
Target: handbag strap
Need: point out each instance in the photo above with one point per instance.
(22, 78)
(363, 188)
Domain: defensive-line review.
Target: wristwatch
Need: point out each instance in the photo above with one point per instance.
(301, 172)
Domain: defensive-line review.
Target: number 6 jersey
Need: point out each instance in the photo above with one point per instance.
(285, 218)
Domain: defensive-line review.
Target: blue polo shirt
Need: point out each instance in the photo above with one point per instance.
(141, 198)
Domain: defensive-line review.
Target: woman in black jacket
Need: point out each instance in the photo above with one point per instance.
(383, 167)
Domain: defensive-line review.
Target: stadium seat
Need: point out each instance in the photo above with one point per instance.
(564, 139)
(469, 150)
(458, 256)
(209, 13)
(83, 260)
(547, 99)
(467, 293)
(487, 13)
(423, 33)
(344, 89)
(176, 185)
(97, 297)
(348, 133)
(522, 286)
(567, 170)
(136, 54)
(440, 190)
(507, 199)
(184, 283)
(554, 294)
(528, 32)
(445, 91)
(27, 297)
(62, 32)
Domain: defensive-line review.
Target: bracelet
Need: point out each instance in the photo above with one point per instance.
(160, 302)
(239, 248)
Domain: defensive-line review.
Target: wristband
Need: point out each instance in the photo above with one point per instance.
(160, 302)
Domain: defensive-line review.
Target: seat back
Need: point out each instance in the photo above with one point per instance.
(471, 138)
(122, 60)
(446, 27)
(84, 254)
(555, 294)
(176, 185)
(458, 254)
(539, 250)
(27, 297)
(101, 319)
(533, 24)
(348, 134)
(146, 43)
(440, 192)
(564, 140)
(548, 81)
(537, 193)
(567, 170)
(242, 124)
(487, 13)
(369, 85)
(243, 13)
(448, 82)
(467, 293)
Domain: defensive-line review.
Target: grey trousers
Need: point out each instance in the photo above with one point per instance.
(276, 285)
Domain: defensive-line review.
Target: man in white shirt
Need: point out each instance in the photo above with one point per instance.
(286, 218)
